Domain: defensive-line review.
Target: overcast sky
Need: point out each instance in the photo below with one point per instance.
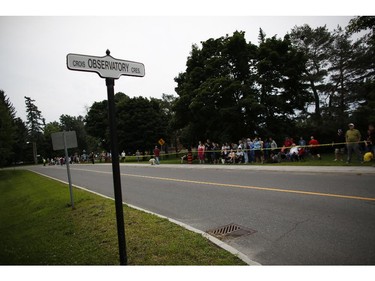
(33, 53)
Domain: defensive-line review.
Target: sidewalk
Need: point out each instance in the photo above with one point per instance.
(298, 169)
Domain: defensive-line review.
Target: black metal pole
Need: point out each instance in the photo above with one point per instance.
(110, 82)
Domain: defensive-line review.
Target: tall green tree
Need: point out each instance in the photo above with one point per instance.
(166, 105)
(20, 147)
(7, 129)
(365, 46)
(216, 92)
(340, 79)
(282, 94)
(97, 126)
(35, 124)
(315, 44)
(338, 73)
(232, 88)
(364, 68)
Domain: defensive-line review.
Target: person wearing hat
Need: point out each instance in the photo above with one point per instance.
(352, 137)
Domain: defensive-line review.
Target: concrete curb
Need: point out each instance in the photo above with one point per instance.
(211, 238)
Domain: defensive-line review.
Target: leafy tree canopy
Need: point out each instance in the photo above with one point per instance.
(231, 86)
(141, 122)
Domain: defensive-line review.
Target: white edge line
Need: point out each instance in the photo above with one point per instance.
(211, 238)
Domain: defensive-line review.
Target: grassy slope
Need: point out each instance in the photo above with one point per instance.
(38, 227)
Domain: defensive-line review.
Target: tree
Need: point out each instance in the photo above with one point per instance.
(35, 124)
(20, 146)
(363, 66)
(232, 88)
(96, 124)
(340, 78)
(166, 105)
(140, 122)
(216, 90)
(279, 78)
(77, 124)
(49, 129)
(7, 129)
(315, 44)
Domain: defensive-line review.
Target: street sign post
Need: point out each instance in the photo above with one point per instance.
(110, 68)
(65, 140)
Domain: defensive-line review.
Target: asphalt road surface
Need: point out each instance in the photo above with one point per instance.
(312, 216)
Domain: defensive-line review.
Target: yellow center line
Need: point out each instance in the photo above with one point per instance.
(240, 186)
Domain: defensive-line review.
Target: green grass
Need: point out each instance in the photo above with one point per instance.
(38, 227)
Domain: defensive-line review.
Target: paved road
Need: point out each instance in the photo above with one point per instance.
(300, 215)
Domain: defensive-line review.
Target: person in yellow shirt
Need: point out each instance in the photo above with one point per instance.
(352, 137)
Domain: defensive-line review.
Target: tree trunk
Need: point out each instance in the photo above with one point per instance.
(35, 154)
(317, 115)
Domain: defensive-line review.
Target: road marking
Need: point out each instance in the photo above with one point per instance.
(240, 186)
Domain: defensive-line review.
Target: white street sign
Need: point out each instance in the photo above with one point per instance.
(62, 139)
(106, 67)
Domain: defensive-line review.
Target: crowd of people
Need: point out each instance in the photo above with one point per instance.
(74, 159)
(249, 150)
(257, 150)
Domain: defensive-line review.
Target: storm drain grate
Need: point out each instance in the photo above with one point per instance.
(230, 231)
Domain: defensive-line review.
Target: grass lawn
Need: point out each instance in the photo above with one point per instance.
(38, 227)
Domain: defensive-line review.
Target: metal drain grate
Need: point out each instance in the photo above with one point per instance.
(230, 231)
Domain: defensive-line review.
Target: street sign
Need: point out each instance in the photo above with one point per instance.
(106, 67)
(110, 68)
(58, 140)
(65, 140)
(161, 142)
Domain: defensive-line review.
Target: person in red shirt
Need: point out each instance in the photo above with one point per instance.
(157, 154)
(201, 150)
(288, 142)
(314, 148)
